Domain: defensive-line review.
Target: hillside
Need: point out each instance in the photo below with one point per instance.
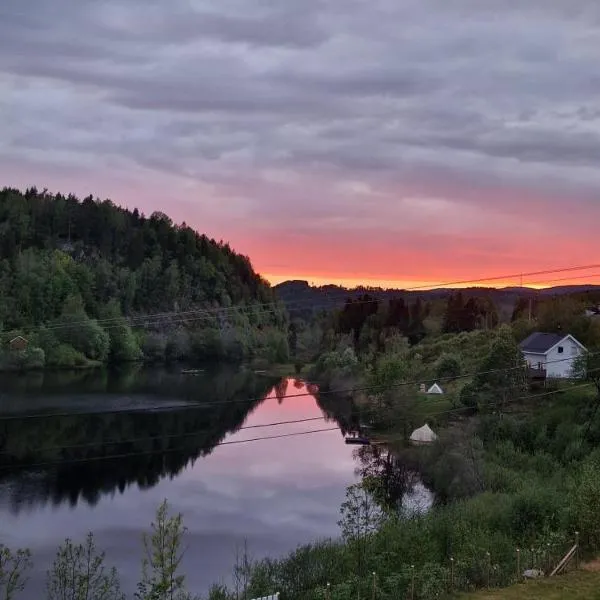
(66, 261)
(302, 299)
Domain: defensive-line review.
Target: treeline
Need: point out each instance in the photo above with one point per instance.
(75, 274)
(559, 314)
(370, 320)
(474, 313)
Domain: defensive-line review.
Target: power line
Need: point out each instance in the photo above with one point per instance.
(178, 435)
(279, 423)
(272, 437)
(165, 451)
(571, 278)
(197, 406)
(518, 399)
(205, 313)
(504, 277)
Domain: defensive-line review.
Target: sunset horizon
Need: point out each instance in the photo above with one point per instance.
(317, 154)
(412, 285)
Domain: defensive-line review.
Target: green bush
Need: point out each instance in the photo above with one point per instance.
(448, 367)
(154, 346)
(123, 345)
(65, 356)
(22, 360)
(587, 503)
(76, 329)
(468, 396)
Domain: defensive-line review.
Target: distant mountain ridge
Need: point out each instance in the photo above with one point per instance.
(302, 299)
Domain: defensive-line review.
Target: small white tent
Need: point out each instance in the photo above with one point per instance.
(423, 435)
(435, 389)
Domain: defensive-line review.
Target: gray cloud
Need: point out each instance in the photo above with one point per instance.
(455, 90)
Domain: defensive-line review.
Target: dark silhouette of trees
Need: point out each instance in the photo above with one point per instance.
(475, 313)
(355, 314)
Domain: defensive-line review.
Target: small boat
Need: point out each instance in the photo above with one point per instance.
(191, 371)
(357, 440)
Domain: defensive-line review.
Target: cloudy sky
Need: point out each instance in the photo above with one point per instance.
(383, 140)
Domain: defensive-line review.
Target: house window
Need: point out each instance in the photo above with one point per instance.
(560, 349)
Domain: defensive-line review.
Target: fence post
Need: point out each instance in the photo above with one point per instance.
(518, 565)
(328, 591)
(532, 559)
(451, 574)
(577, 550)
(374, 585)
(547, 559)
(489, 566)
(412, 582)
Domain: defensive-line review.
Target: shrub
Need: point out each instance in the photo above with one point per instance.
(78, 572)
(587, 503)
(468, 396)
(14, 567)
(65, 356)
(154, 346)
(448, 367)
(178, 345)
(22, 360)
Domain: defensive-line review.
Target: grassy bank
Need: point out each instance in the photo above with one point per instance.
(578, 585)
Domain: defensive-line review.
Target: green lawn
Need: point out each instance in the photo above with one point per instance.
(579, 585)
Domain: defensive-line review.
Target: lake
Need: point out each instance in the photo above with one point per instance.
(112, 445)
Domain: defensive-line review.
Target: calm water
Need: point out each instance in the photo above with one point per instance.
(64, 475)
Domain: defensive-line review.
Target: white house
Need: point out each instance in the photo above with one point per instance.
(553, 352)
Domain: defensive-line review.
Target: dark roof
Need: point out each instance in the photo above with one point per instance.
(540, 343)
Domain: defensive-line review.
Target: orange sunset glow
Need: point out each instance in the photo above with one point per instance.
(320, 157)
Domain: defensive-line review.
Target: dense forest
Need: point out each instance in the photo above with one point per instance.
(88, 281)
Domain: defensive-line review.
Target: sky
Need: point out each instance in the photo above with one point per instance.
(392, 142)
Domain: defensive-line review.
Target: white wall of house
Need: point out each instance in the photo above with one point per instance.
(566, 352)
(535, 361)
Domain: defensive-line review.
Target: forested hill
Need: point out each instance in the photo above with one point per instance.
(64, 259)
(303, 299)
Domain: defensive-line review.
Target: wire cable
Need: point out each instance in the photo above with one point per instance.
(196, 406)
(164, 451)
(179, 435)
(206, 313)
(308, 419)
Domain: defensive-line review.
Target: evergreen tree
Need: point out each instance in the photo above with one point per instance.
(67, 264)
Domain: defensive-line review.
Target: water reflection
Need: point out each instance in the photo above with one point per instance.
(99, 440)
(96, 440)
(57, 478)
(393, 482)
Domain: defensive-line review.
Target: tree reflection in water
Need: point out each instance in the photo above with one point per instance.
(391, 480)
(81, 457)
